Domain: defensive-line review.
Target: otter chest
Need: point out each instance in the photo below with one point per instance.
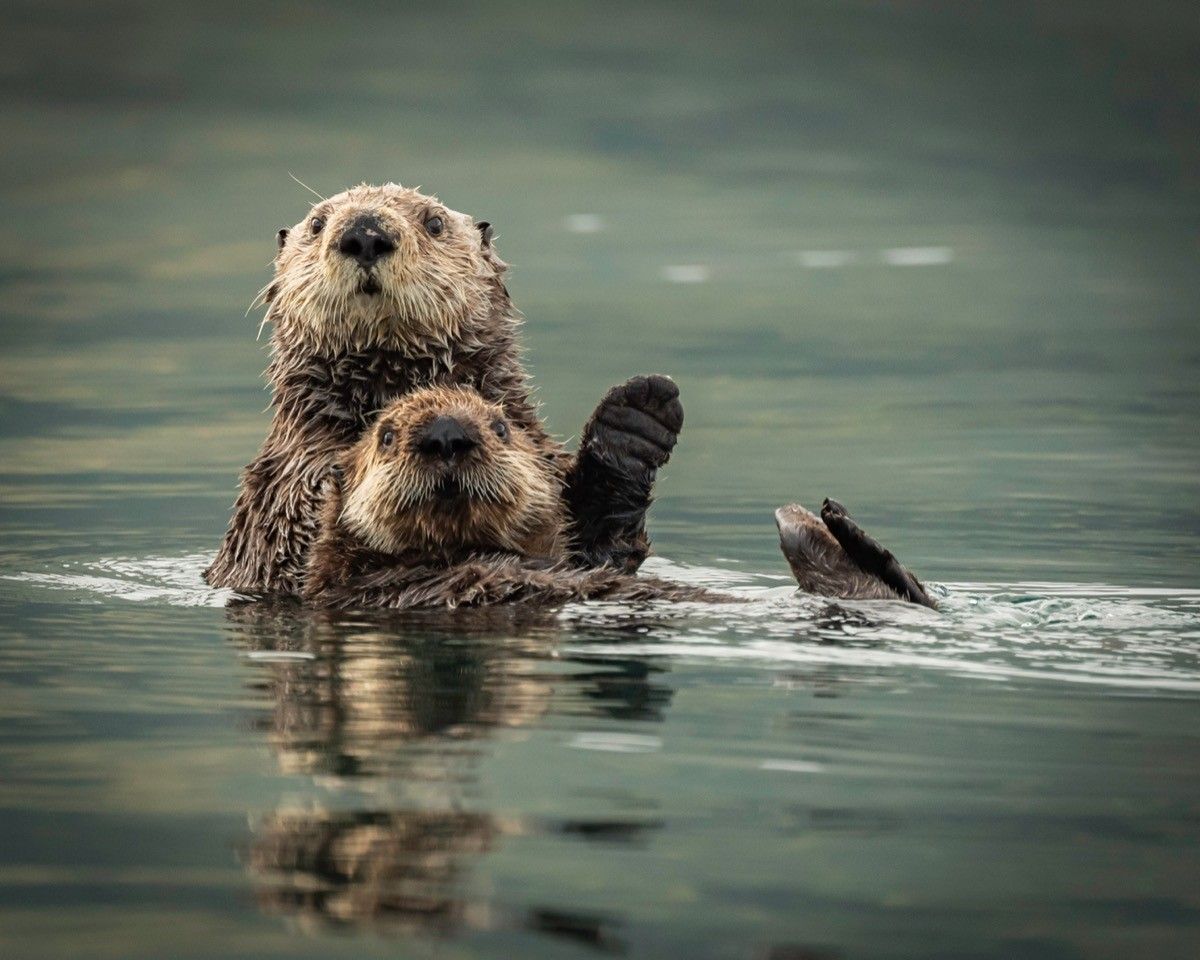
(349, 390)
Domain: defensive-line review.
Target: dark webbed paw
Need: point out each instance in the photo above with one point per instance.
(636, 425)
(871, 556)
(609, 489)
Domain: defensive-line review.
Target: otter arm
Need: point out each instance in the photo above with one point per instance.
(278, 506)
(274, 518)
(489, 580)
(871, 556)
(608, 488)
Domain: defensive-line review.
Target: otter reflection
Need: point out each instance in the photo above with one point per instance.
(395, 868)
(364, 701)
(390, 718)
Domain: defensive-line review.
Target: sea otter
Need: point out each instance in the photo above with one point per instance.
(446, 502)
(380, 290)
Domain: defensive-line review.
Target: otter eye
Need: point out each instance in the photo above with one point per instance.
(315, 224)
(500, 429)
(434, 226)
(387, 438)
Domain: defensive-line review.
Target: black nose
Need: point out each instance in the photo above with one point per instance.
(445, 438)
(366, 241)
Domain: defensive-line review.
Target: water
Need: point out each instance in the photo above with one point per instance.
(940, 264)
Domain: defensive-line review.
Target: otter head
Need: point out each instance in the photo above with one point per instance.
(444, 473)
(385, 268)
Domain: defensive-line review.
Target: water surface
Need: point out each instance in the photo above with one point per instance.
(939, 263)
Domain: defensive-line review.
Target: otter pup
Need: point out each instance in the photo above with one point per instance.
(380, 290)
(446, 502)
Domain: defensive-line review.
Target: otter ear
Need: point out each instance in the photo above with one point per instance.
(281, 237)
(485, 232)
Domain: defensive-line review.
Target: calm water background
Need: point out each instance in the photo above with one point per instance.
(937, 260)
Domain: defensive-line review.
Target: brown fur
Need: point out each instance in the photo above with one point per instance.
(338, 356)
(831, 555)
(387, 504)
(819, 563)
(388, 540)
(347, 340)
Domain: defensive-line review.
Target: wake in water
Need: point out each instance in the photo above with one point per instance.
(174, 581)
(1144, 639)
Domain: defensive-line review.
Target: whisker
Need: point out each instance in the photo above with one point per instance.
(306, 186)
(259, 298)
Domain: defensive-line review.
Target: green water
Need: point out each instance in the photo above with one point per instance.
(937, 260)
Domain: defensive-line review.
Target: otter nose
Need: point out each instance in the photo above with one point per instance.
(445, 438)
(366, 241)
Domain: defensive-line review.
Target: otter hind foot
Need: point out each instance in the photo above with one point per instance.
(831, 555)
(872, 556)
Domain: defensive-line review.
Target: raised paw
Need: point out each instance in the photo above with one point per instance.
(637, 423)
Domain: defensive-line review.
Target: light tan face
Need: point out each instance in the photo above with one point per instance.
(443, 471)
(383, 267)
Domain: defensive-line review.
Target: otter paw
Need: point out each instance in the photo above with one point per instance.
(637, 423)
(871, 556)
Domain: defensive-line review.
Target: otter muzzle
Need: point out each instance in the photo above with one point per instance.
(366, 241)
(445, 439)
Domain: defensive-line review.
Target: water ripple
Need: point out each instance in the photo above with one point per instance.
(1141, 639)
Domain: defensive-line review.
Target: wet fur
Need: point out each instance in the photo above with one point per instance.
(510, 498)
(388, 540)
(491, 579)
(819, 563)
(831, 556)
(442, 315)
(630, 435)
